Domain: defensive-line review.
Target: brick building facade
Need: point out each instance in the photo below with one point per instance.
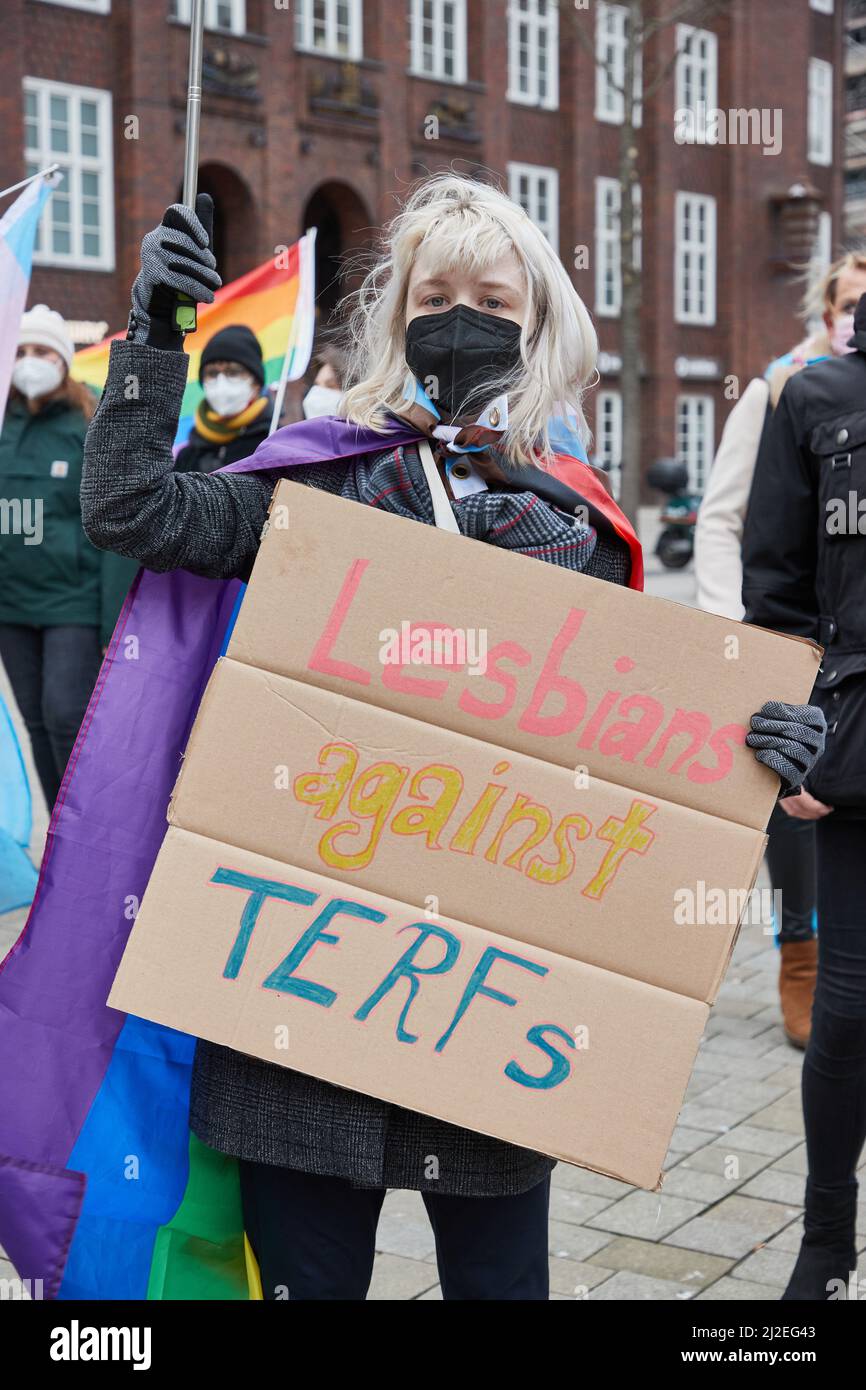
(317, 111)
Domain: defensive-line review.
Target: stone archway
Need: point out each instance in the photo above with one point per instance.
(344, 225)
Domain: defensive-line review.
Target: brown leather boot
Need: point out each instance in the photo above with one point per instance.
(797, 974)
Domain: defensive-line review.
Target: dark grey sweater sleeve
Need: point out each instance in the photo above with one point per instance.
(133, 503)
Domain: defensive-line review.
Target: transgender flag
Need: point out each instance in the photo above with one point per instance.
(17, 234)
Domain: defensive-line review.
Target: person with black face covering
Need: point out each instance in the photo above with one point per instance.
(470, 329)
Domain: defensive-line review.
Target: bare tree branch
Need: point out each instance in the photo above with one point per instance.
(663, 72)
(688, 11)
(641, 30)
(587, 37)
(695, 11)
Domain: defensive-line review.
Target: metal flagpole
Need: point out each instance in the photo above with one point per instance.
(298, 353)
(193, 103)
(43, 174)
(185, 309)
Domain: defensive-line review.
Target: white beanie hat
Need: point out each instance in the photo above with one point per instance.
(45, 327)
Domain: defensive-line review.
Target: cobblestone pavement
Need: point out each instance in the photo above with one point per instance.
(728, 1221)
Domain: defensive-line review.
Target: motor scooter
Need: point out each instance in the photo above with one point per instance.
(679, 514)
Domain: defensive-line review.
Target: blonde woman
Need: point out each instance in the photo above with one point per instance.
(467, 335)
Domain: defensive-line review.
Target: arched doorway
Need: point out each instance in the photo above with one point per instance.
(234, 220)
(344, 226)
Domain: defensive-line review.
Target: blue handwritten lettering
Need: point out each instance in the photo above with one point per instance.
(405, 966)
(260, 889)
(561, 1065)
(476, 986)
(282, 978)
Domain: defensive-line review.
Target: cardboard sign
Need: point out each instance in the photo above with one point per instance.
(634, 689)
(424, 815)
(463, 868)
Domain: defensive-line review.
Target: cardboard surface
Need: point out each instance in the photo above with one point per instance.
(600, 1086)
(638, 690)
(490, 840)
(420, 814)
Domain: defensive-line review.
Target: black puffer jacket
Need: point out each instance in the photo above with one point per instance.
(804, 551)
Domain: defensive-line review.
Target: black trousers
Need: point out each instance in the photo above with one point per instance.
(791, 862)
(834, 1070)
(315, 1238)
(52, 671)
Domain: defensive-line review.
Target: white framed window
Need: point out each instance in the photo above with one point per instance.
(822, 6)
(439, 39)
(637, 228)
(533, 53)
(71, 126)
(228, 15)
(820, 111)
(333, 27)
(823, 254)
(611, 44)
(608, 436)
(696, 437)
(820, 261)
(608, 271)
(536, 189)
(697, 78)
(94, 6)
(695, 259)
(608, 247)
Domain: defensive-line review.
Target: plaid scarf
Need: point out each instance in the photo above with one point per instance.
(394, 481)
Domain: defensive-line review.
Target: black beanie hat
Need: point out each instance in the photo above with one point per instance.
(235, 344)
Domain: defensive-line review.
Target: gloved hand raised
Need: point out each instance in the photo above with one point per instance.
(175, 259)
(789, 739)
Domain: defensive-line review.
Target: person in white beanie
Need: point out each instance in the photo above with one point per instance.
(45, 352)
(59, 595)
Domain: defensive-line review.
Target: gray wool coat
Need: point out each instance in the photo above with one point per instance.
(133, 503)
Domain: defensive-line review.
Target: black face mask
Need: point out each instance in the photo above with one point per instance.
(458, 356)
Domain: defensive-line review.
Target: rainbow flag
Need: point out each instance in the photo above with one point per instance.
(276, 301)
(104, 1191)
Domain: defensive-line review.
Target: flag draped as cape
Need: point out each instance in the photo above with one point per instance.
(104, 1192)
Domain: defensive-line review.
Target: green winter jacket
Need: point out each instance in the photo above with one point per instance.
(50, 574)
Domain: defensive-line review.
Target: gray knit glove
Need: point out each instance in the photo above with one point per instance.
(175, 258)
(789, 739)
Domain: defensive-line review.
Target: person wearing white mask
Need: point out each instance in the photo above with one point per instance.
(59, 595)
(326, 392)
(234, 415)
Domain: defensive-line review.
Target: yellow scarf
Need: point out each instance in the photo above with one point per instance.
(221, 429)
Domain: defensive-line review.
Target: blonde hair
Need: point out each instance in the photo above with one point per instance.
(467, 224)
(820, 295)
